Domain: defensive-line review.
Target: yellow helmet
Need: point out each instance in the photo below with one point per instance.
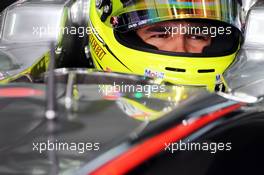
(127, 33)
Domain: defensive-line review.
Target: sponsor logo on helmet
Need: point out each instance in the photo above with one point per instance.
(154, 74)
(100, 53)
(219, 85)
(108, 69)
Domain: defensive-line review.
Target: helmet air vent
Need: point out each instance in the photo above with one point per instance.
(206, 70)
(175, 69)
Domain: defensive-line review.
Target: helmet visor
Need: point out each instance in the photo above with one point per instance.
(137, 13)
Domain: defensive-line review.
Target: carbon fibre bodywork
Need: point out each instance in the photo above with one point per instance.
(92, 117)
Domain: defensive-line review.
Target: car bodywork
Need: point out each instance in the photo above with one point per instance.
(245, 75)
(27, 28)
(85, 114)
(94, 118)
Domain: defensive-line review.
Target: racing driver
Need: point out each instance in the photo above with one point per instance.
(186, 42)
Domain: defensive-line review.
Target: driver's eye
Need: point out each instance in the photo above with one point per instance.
(198, 37)
(160, 36)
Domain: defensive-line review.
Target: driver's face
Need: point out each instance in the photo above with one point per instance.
(158, 36)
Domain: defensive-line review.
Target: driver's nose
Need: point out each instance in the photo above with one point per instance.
(177, 43)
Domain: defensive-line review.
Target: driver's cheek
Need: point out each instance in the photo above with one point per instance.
(176, 44)
(160, 43)
(195, 46)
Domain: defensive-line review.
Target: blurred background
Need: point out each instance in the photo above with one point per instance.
(73, 49)
(5, 3)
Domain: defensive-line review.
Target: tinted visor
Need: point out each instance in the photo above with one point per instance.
(192, 37)
(137, 13)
